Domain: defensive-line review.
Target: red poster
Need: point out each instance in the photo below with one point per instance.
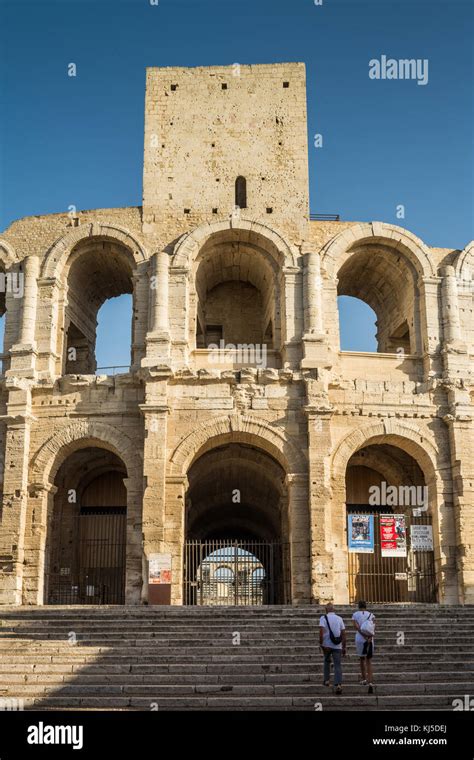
(393, 536)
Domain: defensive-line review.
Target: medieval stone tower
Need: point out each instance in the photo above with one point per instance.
(227, 462)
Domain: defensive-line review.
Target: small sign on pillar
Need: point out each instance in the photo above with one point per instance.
(159, 579)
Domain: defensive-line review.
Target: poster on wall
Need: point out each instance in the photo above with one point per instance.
(159, 568)
(360, 532)
(421, 538)
(393, 536)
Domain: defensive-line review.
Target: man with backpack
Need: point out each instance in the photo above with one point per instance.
(332, 641)
(364, 623)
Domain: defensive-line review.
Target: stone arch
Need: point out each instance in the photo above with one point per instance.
(410, 437)
(338, 249)
(464, 265)
(245, 429)
(57, 256)
(8, 255)
(418, 443)
(82, 434)
(189, 245)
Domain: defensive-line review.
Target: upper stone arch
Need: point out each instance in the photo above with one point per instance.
(82, 434)
(249, 230)
(337, 250)
(58, 254)
(241, 429)
(464, 265)
(8, 255)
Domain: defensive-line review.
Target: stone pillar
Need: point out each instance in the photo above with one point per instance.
(427, 328)
(133, 561)
(174, 532)
(38, 542)
(291, 311)
(47, 327)
(312, 287)
(158, 338)
(322, 559)
(141, 291)
(298, 526)
(315, 344)
(15, 484)
(450, 306)
(154, 463)
(23, 354)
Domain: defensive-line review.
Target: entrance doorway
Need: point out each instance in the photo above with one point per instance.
(238, 573)
(236, 552)
(86, 551)
(378, 579)
(386, 487)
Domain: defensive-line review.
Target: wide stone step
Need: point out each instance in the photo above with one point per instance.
(340, 702)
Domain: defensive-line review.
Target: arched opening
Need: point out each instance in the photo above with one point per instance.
(357, 325)
(385, 280)
(241, 192)
(389, 527)
(114, 320)
(97, 270)
(86, 539)
(237, 302)
(236, 518)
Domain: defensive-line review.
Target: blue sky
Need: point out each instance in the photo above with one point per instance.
(79, 140)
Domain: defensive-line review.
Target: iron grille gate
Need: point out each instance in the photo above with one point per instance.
(233, 572)
(97, 571)
(380, 579)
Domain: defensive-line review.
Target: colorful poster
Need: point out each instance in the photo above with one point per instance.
(393, 536)
(360, 533)
(159, 568)
(421, 538)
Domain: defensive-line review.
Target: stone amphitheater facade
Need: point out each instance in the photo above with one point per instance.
(224, 246)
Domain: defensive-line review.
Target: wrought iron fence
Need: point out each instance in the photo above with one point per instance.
(228, 572)
(383, 579)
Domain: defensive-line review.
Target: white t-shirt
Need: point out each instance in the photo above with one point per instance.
(337, 625)
(361, 617)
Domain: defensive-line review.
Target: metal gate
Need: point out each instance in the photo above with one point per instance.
(379, 579)
(97, 572)
(236, 573)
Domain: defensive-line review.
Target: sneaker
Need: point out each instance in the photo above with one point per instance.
(338, 689)
(326, 683)
(371, 688)
(363, 682)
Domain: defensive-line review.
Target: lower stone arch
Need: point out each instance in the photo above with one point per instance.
(270, 438)
(417, 443)
(45, 466)
(239, 430)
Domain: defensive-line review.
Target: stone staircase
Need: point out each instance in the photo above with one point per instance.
(227, 658)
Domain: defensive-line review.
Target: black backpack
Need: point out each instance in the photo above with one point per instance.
(335, 639)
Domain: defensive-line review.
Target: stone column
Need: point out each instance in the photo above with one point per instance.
(24, 352)
(158, 338)
(298, 525)
(322, 557)
(291, 311)
(312, 287)
(38, 542)
(174, 532)
(133, 562)
(450, 306)
(315, 344)
(427, 328)
(47, 330)
(15, 485)
(141, 292)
